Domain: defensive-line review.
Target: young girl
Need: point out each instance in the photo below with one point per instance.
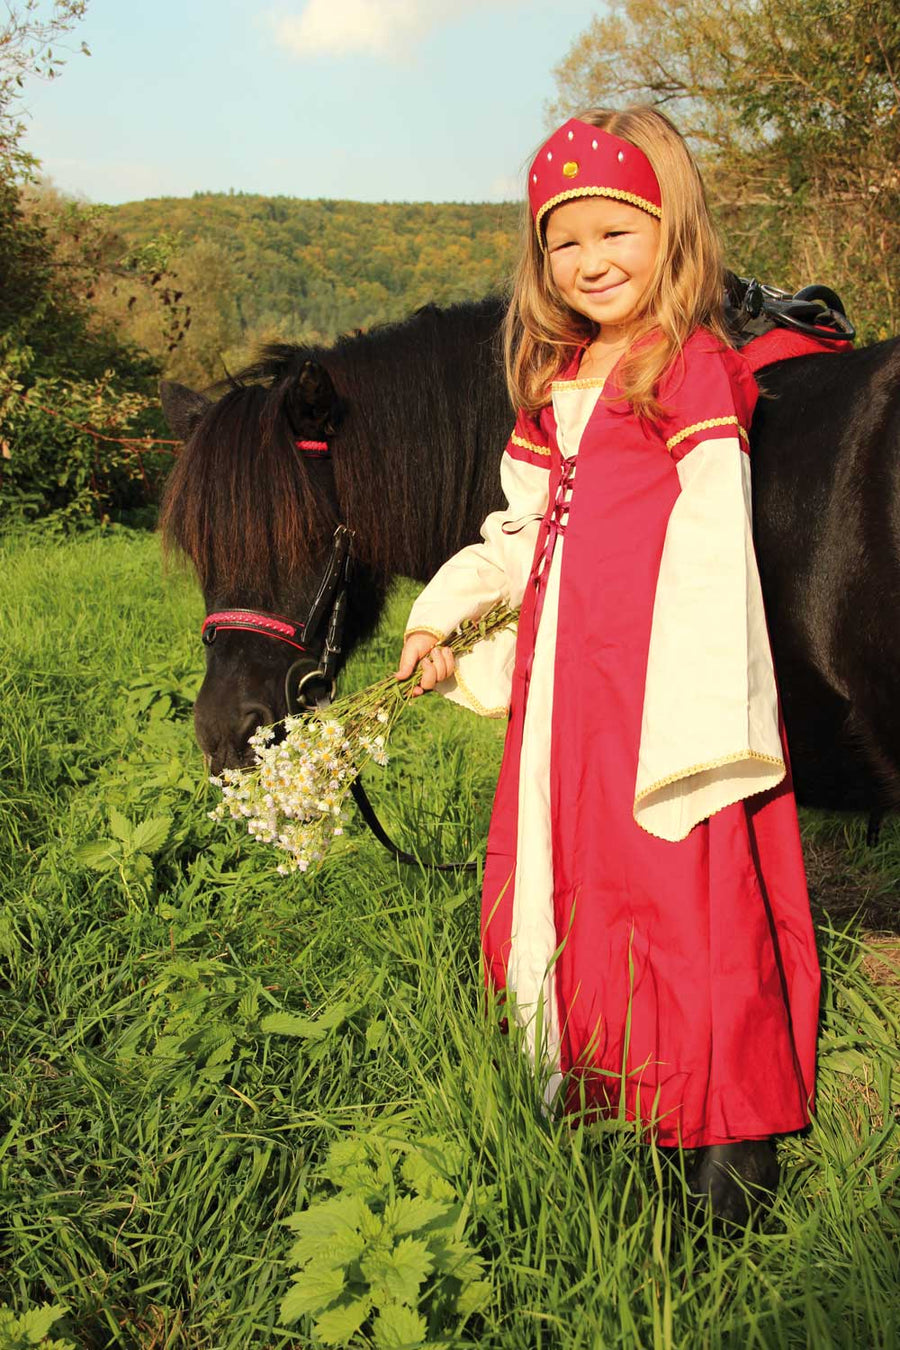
(645, 904)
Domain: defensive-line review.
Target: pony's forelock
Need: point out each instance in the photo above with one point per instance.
(239, 502)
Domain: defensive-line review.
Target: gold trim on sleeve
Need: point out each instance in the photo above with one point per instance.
(475, 704)
(735, 758)
(617, 193)
(529, 445)
(705, 426)
(422, 628)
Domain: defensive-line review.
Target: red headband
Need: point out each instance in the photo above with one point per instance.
(582, 161)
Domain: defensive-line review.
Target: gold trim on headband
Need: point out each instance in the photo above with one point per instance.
(705, 426)
(617, 193)
(529, 445)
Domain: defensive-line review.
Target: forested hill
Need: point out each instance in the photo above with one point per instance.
(262, 266)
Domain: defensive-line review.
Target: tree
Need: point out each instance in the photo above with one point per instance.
(793, 107)
(73, 395)
(26, 49)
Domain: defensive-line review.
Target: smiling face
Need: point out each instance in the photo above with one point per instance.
(602, 255)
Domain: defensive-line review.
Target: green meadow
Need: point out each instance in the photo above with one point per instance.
(242, 1110)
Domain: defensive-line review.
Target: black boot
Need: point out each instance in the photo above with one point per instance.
(735, 1181)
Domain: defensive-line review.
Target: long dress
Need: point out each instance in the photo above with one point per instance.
(645, 906)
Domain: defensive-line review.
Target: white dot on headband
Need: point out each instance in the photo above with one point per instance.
(549, 154)
(534, 178)
(621, 156)
(594, 144)
(571, 135)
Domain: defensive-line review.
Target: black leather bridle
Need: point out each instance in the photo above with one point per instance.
(327, 612)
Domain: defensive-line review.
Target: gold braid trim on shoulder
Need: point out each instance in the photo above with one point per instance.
(710, 764)
(589, 382)
(617, 193)
(705, 426)
(475, 704)
(529, 445)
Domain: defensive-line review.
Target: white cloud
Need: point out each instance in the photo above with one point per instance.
(388, 28)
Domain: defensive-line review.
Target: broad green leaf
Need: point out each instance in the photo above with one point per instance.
(459, 1260)
(359, 1165)
(421, 1175)
(101, 856)
(326, 1218)
(375, 1033)
(215, 1074)
(375, 1230)
(291, 1024)
(141, 866)
(166, 1046)
(474, 1297)
(150, 835)
(314, 1289)
(338, 1324)
(340, 1249)
(222, 1053)
(335, 1016)
(411, 1213)
(351, 1149)
(120, 825)
(36, 1323)
(446, 1156)
(398, 1274)
(399, 1328)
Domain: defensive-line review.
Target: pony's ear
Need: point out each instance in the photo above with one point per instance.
(183, 407)
(314, 402)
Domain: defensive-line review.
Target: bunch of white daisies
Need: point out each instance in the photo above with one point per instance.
(295, 795)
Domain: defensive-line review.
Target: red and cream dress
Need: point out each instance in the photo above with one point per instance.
(645, 902)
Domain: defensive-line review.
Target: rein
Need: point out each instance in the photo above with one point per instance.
(329, 600)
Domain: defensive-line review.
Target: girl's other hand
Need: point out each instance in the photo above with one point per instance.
(437, 662)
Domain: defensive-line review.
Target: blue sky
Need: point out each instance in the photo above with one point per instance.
(397, 100)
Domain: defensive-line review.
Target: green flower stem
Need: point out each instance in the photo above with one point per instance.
(391, 695)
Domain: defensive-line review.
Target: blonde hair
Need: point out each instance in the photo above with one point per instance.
(685, 291)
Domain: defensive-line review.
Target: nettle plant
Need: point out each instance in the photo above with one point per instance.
(19, 1331)
(384, 1261)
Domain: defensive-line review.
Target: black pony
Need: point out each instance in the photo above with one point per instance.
(416, 416)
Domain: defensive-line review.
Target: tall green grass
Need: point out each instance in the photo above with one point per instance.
(186, 1035)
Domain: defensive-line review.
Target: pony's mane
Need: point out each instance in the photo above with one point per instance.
(239, 502)
(411, 457)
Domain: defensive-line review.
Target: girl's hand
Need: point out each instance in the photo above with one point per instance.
(437, 662)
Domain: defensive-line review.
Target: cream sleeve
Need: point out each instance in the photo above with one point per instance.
(476, 577)
(710, 733)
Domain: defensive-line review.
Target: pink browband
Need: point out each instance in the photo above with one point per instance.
(251, 621)
(312, 447)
